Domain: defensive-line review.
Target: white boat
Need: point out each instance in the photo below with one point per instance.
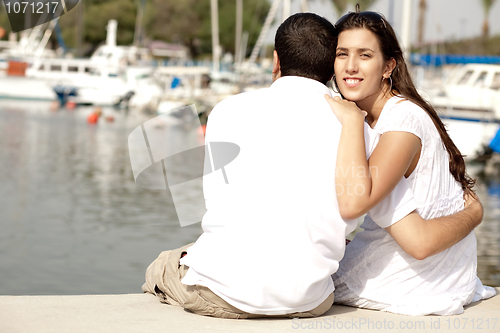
(26, 89)
(107, 78)
(469, 104)
(472, 88)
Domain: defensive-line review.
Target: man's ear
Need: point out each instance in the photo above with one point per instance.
(389, 67)
(276, 66)
(276, 62)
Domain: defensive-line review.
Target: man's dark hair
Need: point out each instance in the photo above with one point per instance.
(305, 46)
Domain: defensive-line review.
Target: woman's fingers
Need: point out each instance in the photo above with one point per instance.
(470, 198)
(333, 100)
(343, 108)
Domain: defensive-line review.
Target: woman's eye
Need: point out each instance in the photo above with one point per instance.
(364, 55)
(341, 54)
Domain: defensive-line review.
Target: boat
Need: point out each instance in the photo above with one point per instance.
(473, 91)
(113, 74)
(469, 103)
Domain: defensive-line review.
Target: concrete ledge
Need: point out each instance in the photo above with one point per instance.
(144, 313)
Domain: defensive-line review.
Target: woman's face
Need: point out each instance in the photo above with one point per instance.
(359, 66)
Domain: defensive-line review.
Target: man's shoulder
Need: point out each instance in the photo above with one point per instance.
(254, 95)
(242, 102)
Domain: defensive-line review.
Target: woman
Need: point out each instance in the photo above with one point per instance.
(376, 272)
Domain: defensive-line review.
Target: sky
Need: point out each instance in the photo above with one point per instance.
(445, 19)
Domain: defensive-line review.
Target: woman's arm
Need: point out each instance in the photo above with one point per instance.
(423, 238)
(362, 184)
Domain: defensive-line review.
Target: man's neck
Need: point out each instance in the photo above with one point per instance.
(276, 75)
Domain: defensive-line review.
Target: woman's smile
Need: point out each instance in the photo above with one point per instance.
(352, 82)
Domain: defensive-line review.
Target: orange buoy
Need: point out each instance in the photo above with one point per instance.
(92, 118)
(200, 131)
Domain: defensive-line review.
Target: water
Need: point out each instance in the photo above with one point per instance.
(72, 220)
(488, 232)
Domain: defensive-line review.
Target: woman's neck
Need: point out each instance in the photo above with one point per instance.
(374, 106)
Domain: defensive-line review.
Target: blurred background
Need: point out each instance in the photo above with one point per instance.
(72, 219)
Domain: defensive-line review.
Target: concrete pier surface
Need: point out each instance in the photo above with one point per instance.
(144, 313)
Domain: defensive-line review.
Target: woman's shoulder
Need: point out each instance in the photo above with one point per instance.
(402, 106)
(401, 114)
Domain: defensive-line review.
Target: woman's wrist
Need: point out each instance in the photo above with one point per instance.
(353, 119)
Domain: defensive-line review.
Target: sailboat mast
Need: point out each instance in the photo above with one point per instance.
(405, 31)
(286, 9)
(138, 23)
(80, 11)
(239, 29)
(264, 30)
(304, 5)
(215, 35)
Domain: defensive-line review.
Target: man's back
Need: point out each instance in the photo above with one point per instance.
(273, 235)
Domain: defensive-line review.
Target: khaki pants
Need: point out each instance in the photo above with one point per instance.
(163, 279)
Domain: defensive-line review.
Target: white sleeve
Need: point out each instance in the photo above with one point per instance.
(395, 206)
(403, 117)
(371, 139)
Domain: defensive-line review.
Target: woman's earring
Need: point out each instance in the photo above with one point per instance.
(334, 85)
(388, 78)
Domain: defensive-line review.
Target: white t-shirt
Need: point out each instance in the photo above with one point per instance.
(273, 235)
(375, 268)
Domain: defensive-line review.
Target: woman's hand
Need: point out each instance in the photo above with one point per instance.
(470, 198)
(472, 203)
(344, 110)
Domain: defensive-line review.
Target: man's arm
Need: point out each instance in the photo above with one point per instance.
(423, 238)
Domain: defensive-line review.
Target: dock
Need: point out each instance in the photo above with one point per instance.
(144, 313)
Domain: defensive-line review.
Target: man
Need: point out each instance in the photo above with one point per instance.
(273, 236)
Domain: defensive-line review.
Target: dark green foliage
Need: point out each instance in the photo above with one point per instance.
(189, 22)
(478, 45)
(472, 46)
(97, 13)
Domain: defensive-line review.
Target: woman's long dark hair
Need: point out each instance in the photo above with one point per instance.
(402, 83)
